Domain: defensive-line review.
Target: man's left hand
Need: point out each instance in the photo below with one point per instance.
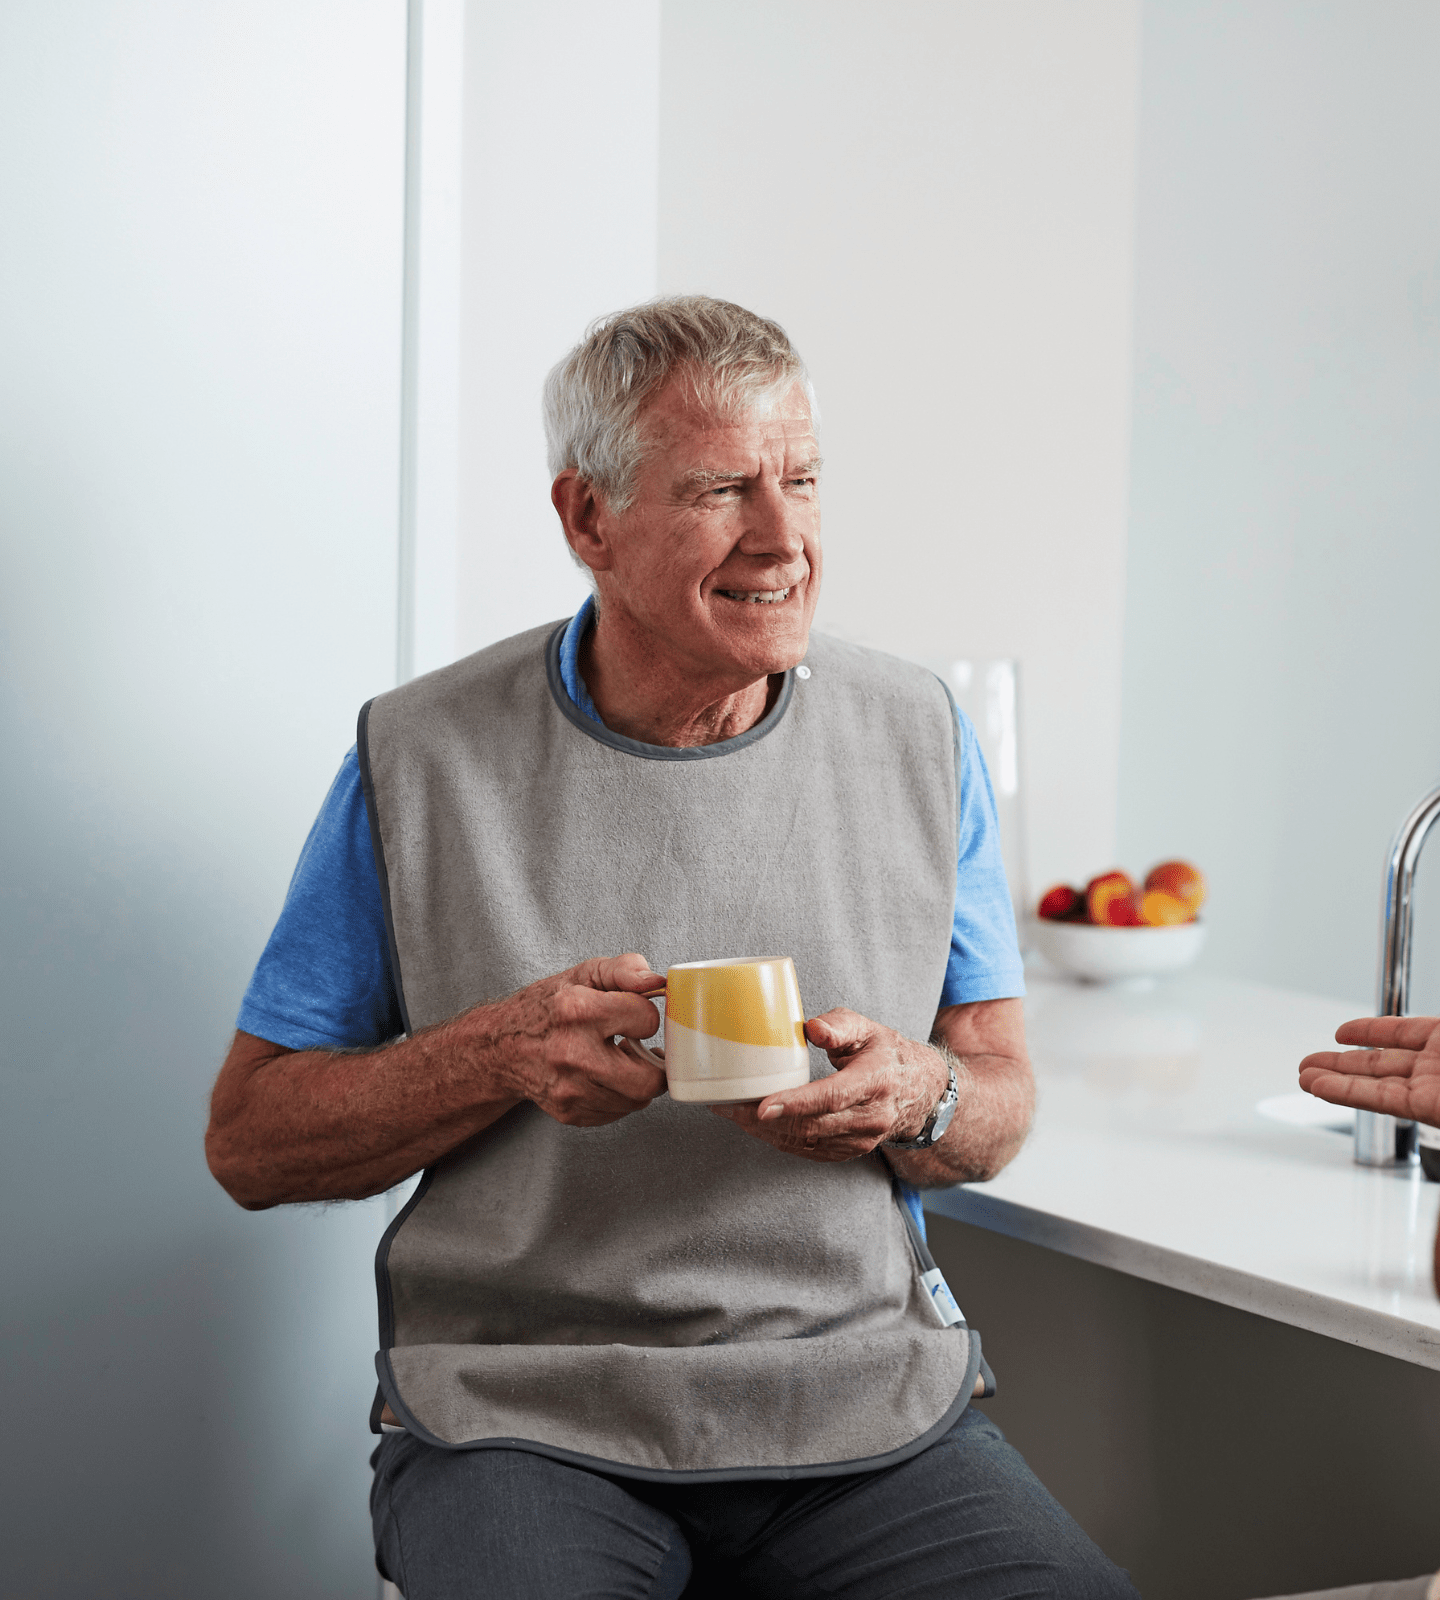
(885, 1086)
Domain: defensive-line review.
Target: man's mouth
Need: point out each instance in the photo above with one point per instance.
(757, 597)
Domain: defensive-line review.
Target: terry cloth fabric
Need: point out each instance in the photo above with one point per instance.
(665, 1295)
(324, 980)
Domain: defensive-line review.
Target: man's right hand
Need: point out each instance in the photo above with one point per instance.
(305, 1125)
(555, 1038)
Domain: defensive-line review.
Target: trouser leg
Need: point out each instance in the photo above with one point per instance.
(964, 1520)
(508, 1525)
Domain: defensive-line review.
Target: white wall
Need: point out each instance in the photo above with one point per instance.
(936, 200)
(558, 224)
(1282, 681)
(198, 486)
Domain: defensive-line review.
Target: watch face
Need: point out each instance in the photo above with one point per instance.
(943, 1118)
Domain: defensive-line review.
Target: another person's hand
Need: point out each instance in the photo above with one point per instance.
(885, 1086)
(1398, 1073)
(556, 1040)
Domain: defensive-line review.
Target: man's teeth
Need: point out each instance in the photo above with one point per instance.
(757, 597)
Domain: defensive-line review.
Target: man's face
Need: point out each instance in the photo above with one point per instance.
(717, 557)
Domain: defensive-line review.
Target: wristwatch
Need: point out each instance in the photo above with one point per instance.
(938, 1120)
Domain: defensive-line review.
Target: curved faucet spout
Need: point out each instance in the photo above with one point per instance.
(1381, 1141)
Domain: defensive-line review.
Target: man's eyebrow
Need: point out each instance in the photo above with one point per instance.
(704, 477)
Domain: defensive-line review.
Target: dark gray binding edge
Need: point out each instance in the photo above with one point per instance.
(656, 752)
(954, 723)
(975, 1366)
(372, 813)
(912, 1229)
(384, 1300)
(621, 1469)
(927, 1264)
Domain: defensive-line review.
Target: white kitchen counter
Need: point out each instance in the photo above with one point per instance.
(1148, 1156)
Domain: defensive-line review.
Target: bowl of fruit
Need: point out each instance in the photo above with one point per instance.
(1115, 930)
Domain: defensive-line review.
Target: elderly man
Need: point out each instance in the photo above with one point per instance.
(626, 1342)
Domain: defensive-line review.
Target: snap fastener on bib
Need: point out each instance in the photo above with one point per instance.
(802, 672)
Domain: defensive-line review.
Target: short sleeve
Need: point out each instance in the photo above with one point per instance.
(985, 962)
(324, 980)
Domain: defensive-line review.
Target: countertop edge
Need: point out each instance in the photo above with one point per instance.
(1361, 1326)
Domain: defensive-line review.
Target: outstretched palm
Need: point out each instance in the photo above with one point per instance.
(1397, 1073)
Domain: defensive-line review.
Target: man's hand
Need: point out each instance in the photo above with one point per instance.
(554, 1040)
(1399, 1074)
(885, 1086)
(297, 1125)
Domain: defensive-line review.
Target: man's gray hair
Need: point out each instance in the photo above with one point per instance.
(732, 359)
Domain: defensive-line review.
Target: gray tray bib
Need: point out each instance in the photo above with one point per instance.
(665, 1295)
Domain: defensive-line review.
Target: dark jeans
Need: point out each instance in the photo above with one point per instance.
(965, 1519)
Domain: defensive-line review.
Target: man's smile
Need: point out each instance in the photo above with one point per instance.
(757, 597)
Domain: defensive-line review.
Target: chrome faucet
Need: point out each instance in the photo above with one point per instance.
(1382, 1141)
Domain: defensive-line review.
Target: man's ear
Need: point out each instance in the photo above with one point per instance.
(582, 516)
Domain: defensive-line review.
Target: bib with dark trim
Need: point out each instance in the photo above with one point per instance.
(666, 1295)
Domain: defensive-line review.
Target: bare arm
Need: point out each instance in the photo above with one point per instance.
(288, 1125)
(887, 1085)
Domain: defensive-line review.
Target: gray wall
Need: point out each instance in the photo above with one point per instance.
(1282, 676)
(938, 202)
(200, 319)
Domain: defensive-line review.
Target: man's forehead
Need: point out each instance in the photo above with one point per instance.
(706, 437)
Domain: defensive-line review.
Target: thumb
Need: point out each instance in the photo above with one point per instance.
(628, 972)
(839, 1032)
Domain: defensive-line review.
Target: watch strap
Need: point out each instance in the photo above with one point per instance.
(927, 1135)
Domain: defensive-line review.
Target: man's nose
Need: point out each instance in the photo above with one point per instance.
(775, 524)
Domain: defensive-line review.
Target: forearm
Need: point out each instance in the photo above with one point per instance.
(997, 1101)
(291, 1125)
(322, 1125)
(986, 1041)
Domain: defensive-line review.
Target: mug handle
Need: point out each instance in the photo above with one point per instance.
(633, 1047)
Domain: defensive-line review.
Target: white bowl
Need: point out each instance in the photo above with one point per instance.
(1110, 955)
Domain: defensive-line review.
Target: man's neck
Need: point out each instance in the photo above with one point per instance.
(656, 702)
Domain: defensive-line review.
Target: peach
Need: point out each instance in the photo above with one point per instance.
(1180, 879)
(1161, 910)
(1108, 887)
(1112, 905)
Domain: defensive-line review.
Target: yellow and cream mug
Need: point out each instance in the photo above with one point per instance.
(734, 1030)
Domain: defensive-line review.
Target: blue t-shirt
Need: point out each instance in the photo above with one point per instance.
(324, 981)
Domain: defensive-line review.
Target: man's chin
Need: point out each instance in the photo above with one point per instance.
(756, 659)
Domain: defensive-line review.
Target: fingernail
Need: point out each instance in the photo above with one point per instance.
(770, 1113)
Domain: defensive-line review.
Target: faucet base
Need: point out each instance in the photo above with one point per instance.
(1382, 1141)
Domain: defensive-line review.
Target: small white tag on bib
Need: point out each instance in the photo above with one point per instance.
(941, 1299)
